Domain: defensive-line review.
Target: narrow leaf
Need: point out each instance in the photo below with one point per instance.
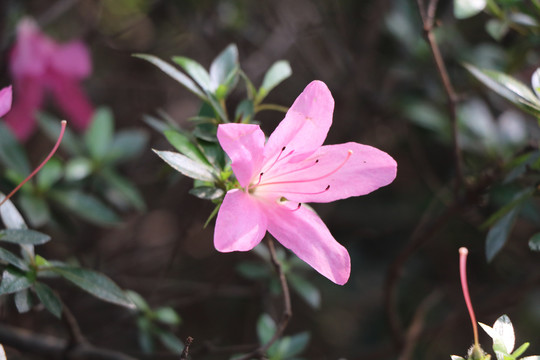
(11, 217)
(127, 145)
(170, 341)
(24, 236)
(534, 242)
(196, 71)
(12, 154)
(535, 82)
(99, 135)
(174, 73)
(12, 259)
(96, 284)
(23, 301)
(278, 72)
(86, 207)
(222, 67)
(207, 192)
(13, 281)
(505, 332)
(498, 234)
(49, 299)
(184, 145)
(266, 327)
(186, 166)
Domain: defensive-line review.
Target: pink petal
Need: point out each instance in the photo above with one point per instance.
(240, 224)
(72, 60)
(72, 100)
(28, 97)
(330, 174)
(32, 51)
(305, 125)
(6, 96)
(244, 144)
(305, 234)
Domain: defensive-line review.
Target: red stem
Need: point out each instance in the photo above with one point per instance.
(463, 274)
(62, 130)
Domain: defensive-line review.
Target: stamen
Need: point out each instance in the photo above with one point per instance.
(298, 207)
(279, 158)
(349, 153)
(298, 192)
(463, 275)
(62, 129)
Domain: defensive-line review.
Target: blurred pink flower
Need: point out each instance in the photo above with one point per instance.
(292, 168)
(38, 65)
(5, 100)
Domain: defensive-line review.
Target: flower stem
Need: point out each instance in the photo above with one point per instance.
(463, 275)
(60, 136)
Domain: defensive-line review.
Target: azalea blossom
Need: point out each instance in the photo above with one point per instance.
(290, 169)
(5, 100)
(38, 66)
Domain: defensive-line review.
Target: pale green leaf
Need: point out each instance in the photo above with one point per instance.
(49, 299)
(534, 242)
(196, 71)
(86, 207)
(12, 259)
(499, 232)
(278, 72)
(23, 301)
(99, 135)
(466, 8)
(24, 236)
(13, 281)
(186, 166)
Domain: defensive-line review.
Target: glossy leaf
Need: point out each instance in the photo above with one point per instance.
(11, 217)
(520, 350)
(223, 69)
(309, 292)
(78, 168)
(13, 281)
(99, 135)
(12, 259)
(86, 207)
(23, 301)
(24, 236)
(12, 154)
(49, 299)
(294, 346)
(184, 145)
(508, 87)
(196, 71)
(186, 166)
(174, 73)
(278, 72)
(167, 315)
(170, 341)
(127, 145)
(207, 192)
(466, 8)
(96, 284)
(505, 333)
(35, 209)
(497, 28)
(499, 232)
(535, 82)
(266, 328)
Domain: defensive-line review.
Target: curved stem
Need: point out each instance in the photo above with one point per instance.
(463, 275)
(62, 130)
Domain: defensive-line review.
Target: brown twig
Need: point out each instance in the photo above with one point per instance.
(287, 309)
(48, 347)
(76, 335)
(428, 21)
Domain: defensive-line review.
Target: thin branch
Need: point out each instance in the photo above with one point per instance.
(287, 309)
(428, 21)
(76, 335)
(48, 347)
(185, 352)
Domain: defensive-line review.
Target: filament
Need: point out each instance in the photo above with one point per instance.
(463, 275)
(60, 136)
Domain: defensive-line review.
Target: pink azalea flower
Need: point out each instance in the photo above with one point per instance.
(290, 169)
(38, 65)
(5, 100)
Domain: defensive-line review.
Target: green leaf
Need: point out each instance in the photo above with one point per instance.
(508, 87)
(186, 166)
(85, 206)
(124, 193)
(167, 315)
(13, 280)
(223, 69)
(174, 73)
(51, 127)
(266, 328)
(184, 145)
(35, 209)
(455, 357)
(253, 270)
(12, 154)
(520, 350)
(146, 342)
(138, 300)
(24, 236)
(23, 301)
(244, 111)
(170, 341)
(466, 8)
(78, 168)
(11, 217)
(96, 284)
(98, 137)
(309, 292)
(12, 259)
(49, 174)
(534, 242)
(49, 299)
(535, 82)
(127, 145)
(207, 192)
(196, 71)
(505, 334)
(278, 72)
(212, 215)
(498, 234)
(497, 28)
(296, 344)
